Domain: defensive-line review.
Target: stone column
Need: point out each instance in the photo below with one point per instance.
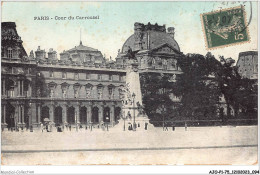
(64, 114)
(52, 113)
(19, 114)
(22, 111)
(30, 114)
(3, 121)
(29, 90)
(38, 113)
(33, 115)
(100, 115)
(3, 86)
(22, 87)
(112, 114)
(4, 114)
(18, 87)
(77, 113)
(89, 114)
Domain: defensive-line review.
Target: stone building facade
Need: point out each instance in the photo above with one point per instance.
(81, 87)
(248, 64)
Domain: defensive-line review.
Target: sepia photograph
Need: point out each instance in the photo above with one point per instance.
(129, 83)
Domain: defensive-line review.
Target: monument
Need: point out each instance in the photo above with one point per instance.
(133, 117)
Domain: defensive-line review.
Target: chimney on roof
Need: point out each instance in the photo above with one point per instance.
(171, 31)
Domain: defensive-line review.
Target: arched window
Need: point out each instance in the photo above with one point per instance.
(9, 52)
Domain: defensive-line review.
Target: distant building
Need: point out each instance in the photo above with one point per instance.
(248, 64)
(82, 87)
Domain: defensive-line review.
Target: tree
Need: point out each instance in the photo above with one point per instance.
(196, 87)
(239, 93)
(156, 101)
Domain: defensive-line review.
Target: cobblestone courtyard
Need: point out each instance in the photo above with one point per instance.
(197, 145)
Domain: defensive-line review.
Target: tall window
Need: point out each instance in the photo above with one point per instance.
(21, 88)
(11, 91)
(88, 90)
(76, 93)
(9, 53)
(3, 87)
(174, 64)
(87, 76)
(99, 77)
(64, 75)
(111, 92)
(51, 74)
(110, 77)
(51, 93)
(76, 76)
(100, 92)
(64, 92)
(120, 78)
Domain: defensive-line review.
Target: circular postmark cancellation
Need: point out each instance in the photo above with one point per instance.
(225, 27)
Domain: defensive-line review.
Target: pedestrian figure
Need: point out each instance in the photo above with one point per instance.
(166, 127)
(131, 127)
(185, 126)
(138, 125)
(173, 128)
(69, 127)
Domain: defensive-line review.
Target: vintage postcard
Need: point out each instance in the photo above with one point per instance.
(129, 83)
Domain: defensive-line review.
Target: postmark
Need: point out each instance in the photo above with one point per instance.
(225, 27)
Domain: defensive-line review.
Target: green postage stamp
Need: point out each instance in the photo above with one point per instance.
(225, 27)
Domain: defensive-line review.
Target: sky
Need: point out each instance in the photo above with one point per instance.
(116, 24)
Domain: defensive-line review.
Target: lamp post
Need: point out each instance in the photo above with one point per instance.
(133, 95)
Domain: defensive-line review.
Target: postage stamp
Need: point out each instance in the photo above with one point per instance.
(225, 27)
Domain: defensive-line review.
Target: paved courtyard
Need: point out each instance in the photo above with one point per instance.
(197, 145)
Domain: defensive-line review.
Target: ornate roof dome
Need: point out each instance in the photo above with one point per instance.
(82, 48)
(148, 37)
